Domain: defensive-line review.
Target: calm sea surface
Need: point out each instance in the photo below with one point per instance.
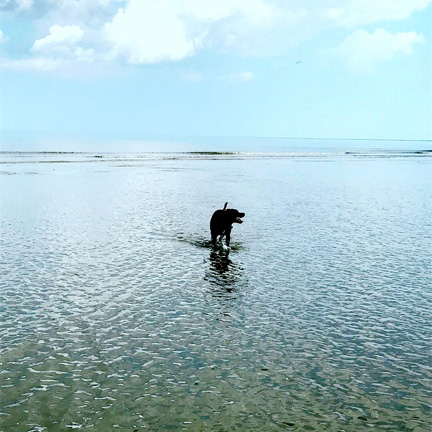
(117, 314)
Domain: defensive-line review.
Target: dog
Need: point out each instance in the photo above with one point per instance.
(221, 223)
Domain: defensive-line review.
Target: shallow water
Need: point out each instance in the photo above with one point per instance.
(117, 314)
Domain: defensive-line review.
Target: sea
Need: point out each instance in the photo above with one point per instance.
(118, 314)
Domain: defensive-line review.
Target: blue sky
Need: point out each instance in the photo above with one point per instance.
(311, 68)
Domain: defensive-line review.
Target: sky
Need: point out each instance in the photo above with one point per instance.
(267, 68)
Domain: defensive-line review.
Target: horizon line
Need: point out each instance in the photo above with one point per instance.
(144, 136)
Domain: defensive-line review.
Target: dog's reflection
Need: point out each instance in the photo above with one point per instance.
(223, 273)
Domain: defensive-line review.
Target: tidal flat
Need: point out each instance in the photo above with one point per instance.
(117, 314)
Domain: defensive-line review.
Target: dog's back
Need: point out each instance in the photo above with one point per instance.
(217, 222)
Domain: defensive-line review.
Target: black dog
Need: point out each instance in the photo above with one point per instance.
(221, 223)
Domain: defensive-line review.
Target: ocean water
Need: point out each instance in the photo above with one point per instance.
(117, 314)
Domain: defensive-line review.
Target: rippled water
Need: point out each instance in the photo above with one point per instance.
(116, 313)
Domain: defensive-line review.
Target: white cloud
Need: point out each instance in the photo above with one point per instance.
(192, 76)
(361, 50)
(237, 77)
(70, 5)
(67, 8)
(62, 43)
(242, 76)
(353, 13)
(85, 10)
(24, 4)
(149, 31)
(10, 5)
(41, 64)
(84, 55)
(59, 36)
(254, 11)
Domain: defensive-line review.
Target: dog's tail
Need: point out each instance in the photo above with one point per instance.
(225, 206)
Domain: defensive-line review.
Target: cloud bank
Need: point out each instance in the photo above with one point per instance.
(353, 13)
(154, 31)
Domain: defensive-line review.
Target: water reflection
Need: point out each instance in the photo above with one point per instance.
(223, 272)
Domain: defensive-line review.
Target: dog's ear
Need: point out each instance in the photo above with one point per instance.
(225, 206)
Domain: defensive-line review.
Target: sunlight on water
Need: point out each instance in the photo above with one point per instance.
(116, 313)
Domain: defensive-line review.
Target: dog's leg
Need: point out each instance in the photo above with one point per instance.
(228, 237)
(221, 235)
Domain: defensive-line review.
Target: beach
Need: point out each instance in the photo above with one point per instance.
(117, 314)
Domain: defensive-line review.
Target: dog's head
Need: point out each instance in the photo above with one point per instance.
(233, 215)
